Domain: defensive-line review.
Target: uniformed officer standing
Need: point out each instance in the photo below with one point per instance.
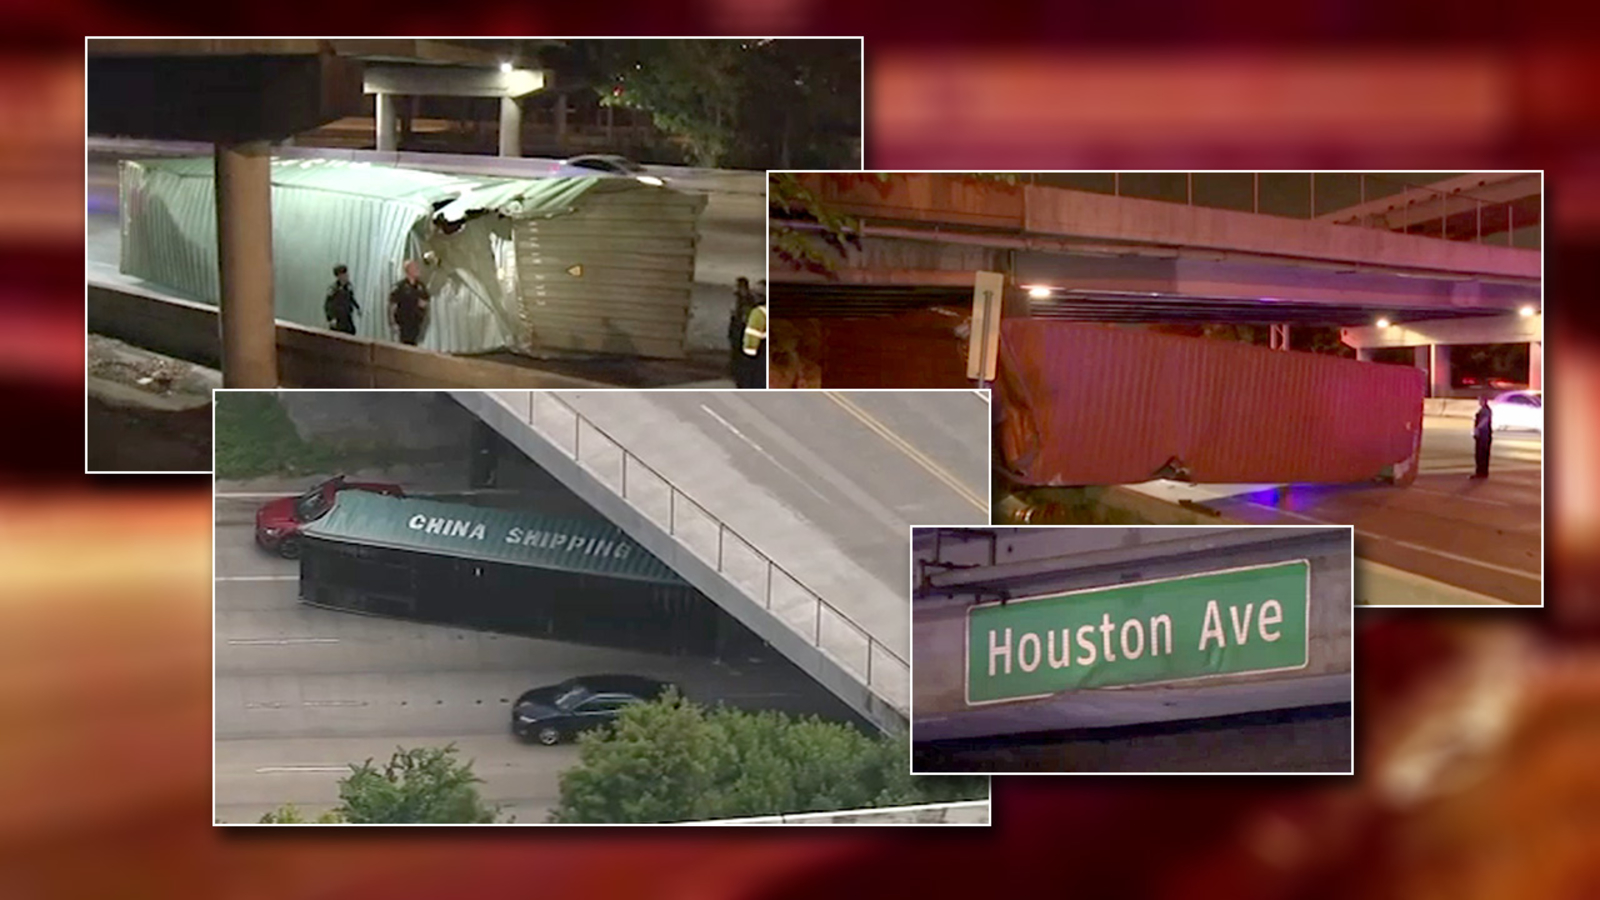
(408, 304)
(752, 371)
(1482, 437)
(744, 300)
(340, 306)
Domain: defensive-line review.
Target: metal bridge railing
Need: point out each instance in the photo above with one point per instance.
(697, 529)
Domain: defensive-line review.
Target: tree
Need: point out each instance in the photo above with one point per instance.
(759, 104)
(690, 88)
(673, 760)
(424, 784)
(808, 233)
(289, 814)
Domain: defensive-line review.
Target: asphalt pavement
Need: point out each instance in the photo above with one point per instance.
(302, 692)
(1480, 539)
(826, 483)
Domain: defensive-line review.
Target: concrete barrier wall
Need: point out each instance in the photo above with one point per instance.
(307, 357)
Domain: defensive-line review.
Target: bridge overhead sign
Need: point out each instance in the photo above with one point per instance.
(1224, 622)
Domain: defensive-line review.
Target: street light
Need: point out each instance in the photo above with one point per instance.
(1383, 321)
(1039, 292)
(1525, 312)
(505, 68)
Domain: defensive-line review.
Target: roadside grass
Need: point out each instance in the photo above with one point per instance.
(254, 437)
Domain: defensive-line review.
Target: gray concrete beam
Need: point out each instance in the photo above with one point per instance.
(434, 81)
(1033, 211)
(244, 254)
(1453, 195)
(1082, 214)
(719, 588)
(219, 99)
(1508, 329)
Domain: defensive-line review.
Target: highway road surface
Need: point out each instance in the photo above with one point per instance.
(302, 692)
(732, 244)
(826, 483)
(1483, 540)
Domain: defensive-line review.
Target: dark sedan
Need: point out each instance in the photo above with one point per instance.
(552, 714)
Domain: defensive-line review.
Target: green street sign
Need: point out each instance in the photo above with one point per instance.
(1226, 622)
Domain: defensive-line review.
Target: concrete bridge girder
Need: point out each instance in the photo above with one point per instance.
(1033, 210)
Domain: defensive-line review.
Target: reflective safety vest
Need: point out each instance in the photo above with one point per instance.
(755, 330)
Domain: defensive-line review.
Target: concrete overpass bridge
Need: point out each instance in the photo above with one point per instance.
(1428, 257)
(789, 510)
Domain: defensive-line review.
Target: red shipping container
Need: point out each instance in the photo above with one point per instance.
(925, 348)
(1094, 404)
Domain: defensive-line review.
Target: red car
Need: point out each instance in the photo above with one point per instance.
(278, 523)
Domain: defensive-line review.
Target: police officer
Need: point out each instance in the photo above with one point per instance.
(743, 301)
(1482, 437)
(752, 370)
(408, 304)
(340, 306)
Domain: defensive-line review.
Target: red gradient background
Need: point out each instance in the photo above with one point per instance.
(104, 583)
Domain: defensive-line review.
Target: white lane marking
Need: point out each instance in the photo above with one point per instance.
(757, 447)
(910, 451)
(1520, 573)
(258, 578)
(276, 770)
(278, 642)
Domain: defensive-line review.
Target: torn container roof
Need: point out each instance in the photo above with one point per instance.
(587, 264)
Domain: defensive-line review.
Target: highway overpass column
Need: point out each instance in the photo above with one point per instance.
(561, 122)
(383, 107)
(244, 254)
(1536, 365)
(510, 127)
(1366, 354)
(1438, 369)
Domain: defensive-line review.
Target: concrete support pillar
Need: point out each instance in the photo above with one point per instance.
(383, 108)
(1278, 336)
(1366, 354)
(510, 127)
(244, 252)
(1536, 365)
(1437, 358)
(561, 121)
(408, 117)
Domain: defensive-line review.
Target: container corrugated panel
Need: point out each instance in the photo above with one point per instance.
(1089, 404)
(636, 241)
(614, 275)
(522, 538)
(324, 212)
(921, 349)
